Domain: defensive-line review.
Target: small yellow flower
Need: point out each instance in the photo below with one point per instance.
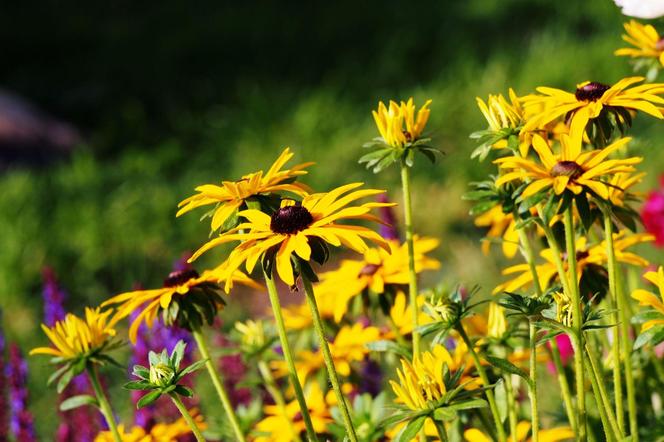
(231, 195)
(497, 321)
(401, 315)
(563, 308)
(398, 125)
(646, 41)
(421, 382)
(501, 114)
(649, 299)
(252, 332)
(160, 432)
(294, 227)
(589, 99)
(76, 337)
(571, 169)
(522, 432)
(620, 183)
(376, 269)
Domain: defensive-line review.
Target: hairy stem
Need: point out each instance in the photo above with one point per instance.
(104, 405)
(187, 417)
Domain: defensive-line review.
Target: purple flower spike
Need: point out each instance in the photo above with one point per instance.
(390, 229)
(54, 298)
(4, 417)
(21, 422)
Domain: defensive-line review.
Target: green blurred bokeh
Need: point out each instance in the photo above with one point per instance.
(177, 95)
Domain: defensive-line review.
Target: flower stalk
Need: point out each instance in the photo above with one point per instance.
(215, 376)
(278, 398)
(534, 413)
(288, 356)
(104, 405)
(187, 417)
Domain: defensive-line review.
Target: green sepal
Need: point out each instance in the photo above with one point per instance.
(78, 401)
(148, 399)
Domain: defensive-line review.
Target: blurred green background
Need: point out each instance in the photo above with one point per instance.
(181, 94)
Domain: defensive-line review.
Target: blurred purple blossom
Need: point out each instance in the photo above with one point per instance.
(21, 423)
(371, 378)
(4, 418)
(54, 298)
(389, 230)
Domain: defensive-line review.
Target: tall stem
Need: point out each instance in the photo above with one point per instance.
(104, 405)
(288, 356)
(603, 395)
(215, 376)
(187, 417)
(577, 320)
(534, 414)
(412, 276)
(612, 265)
(485, 382)
(331, 370)
(511, 403)
(273, 389)
(440, 429)
(564, 385)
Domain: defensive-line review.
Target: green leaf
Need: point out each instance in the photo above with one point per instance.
(410, 431)
(500, 393)
(469, 405)
(444, 414)
(141, 372)
(138, 385)
(389, 346)
(193, 367)
(65, 379)
(508, 367)
(178, 354)
(652, 336)
(78, 401)
(59, 372)
(183, 391)
(148, 399)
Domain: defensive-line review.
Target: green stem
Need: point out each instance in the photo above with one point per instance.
(603, 395)
(273, 389)
(288, 356)
(511, 403)
(577, 320)
(215, 376)
(104, 405)
(564, 385)
(612, 265)
(412, 276)
(529, 256)
(606, 427)
(331, 370)
(440, 429)
(534, 414)
(485, 382)
(187, 417)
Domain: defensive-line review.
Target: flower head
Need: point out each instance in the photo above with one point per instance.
(501, 114)
(646, 42)
(497, 322)
(649, 299)
(302, 229)
(571, 169)
(397, 123)
(522, 432)
(161, 432)
(231, 196)
(501, 225)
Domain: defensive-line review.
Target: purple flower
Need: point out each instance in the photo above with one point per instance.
(4, 418)
(20, 419)
(371, 378)
(54, 298)
(390, 229)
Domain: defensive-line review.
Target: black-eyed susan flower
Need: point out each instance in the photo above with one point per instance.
(502, 226)
(376, 271)
(300, 229)
(186, 299)
(400, 129)
(523, 434)
(649, 299)
(589, 101)
(571, 169)
(646, 42)
(232, 196)
(401, 315)
(160, 432)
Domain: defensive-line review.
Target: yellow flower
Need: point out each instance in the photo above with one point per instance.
(649, 299)
(401, 315)
(295, 227)
(589, 99)
(572, 169)
(375, 270)
(252, 332)
(501, 114)
(278, 424)
(421, 382)
(160, 432)
(75, 337)
(398, 125)
(620, 184)
(497, 322)
(522, 431)
(231, 195)
(500, 224)
(585, 256)
(176, 287)
(646, 41)
(563, 308)
(298, 316)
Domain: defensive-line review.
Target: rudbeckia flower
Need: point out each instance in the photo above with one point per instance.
(501, 225)
(522, 432)
(421, 382)
(231, 196)
(300, 228)
(398, 124)
(160, 432)
(588, 101)
(401, 315)
(75, 337)
(571, 169)
(184, 289)
(646, 41)
(377, 270)
(649, 299)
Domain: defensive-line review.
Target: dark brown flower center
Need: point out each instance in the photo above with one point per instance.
(408, 136)
(592, 91)
(369, 269)
(567, 168)
(290, 220)
(660, 44)
(179, 277)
